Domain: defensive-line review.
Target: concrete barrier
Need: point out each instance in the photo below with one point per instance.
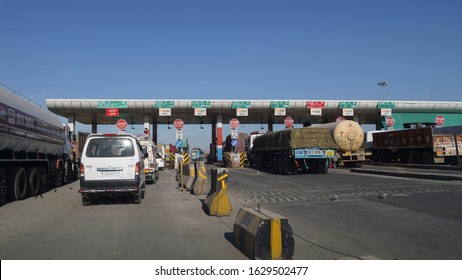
(217, 201)
(200, 185)
(263, 235)
(187, 176)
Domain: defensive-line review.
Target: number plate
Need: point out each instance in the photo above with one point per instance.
(109, 173)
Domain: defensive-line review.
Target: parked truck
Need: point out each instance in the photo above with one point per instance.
(295, 150)
(425, 145)
(35, 147)
(349, 137)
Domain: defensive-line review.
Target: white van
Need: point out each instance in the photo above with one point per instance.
(151, 168)
(112, 165)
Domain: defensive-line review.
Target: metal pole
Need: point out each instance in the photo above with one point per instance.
(457, 150)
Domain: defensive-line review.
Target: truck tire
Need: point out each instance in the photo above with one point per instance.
(34, 180)
(414, 157)
(3, 186)
(17, 184)
(137, 197)
(43, 179)
(280, 165)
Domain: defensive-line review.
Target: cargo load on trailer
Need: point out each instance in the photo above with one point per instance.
(425, 145)
(349, 136)
(295, 150)
(35, 147)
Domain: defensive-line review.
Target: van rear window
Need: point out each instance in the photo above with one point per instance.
(110, 147)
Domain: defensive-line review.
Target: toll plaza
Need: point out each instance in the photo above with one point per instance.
(383, 114)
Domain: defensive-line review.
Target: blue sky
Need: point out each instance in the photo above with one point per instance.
(217, 49)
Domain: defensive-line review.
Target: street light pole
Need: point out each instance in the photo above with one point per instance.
(383, 85)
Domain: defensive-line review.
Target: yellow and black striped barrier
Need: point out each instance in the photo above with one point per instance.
(186, 158)
(234, 160)
(263, 235)
(171, 164)
(217, 200)
(200, 185)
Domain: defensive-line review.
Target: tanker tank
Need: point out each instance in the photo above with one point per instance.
(35, 149)
(24, 126)
(349, 136)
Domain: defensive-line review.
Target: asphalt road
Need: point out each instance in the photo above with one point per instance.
(334, 216)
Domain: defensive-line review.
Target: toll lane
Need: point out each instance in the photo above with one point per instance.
(343, 214)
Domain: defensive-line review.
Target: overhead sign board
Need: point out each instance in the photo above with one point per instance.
(201, 104)
(240, 104)
(385, 112)
(279, 111)
(348, 105)
(386, 105)
(165, 112)
(315, 111)
(112, 104)
(348, 112)
(112, 112)
(164, 104)
(279, 104)
(242, 112)
(315, 104)
(200, 112)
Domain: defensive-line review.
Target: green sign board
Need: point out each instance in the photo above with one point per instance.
(348, 105)
(279, 104)
(201, 104)
(112, 104)
(240, 104)
(164, 104)
(386, 105)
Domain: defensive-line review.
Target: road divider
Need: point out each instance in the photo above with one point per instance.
(200, 185)
(217, 202)
(187, 176)
(263, 235)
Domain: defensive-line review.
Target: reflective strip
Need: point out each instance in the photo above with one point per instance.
(276, 239)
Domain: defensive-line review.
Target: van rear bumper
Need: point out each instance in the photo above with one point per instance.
(109, 186)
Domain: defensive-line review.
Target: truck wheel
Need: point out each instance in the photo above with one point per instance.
(3, 186)
(43, 179)
(34, 180)
(414, 157)
(17, 184)
(280, 165)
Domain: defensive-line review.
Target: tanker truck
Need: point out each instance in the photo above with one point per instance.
(35, 147)
(292, 151)
(349, 137)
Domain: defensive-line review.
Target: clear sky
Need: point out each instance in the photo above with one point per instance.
(218, 49)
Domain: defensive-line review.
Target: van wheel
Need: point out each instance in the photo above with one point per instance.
(86, 201)
(137, 198)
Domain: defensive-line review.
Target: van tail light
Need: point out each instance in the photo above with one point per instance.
(82, 171)
(151, 165)
(137, 169)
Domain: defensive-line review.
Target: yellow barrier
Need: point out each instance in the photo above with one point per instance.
(200, 185)
(217, 200)
(263, 235)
